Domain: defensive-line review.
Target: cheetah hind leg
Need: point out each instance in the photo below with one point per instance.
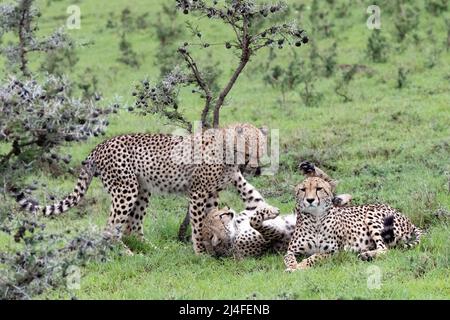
(375, 228)
(121, 208)
(114, 235)
(136, 218)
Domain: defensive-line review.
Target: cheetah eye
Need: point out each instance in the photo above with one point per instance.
(318, 189)
(303, 189)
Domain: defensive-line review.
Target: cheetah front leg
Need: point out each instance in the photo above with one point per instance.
(310, 170)
(290, 261)
(297, 246)
(211, 204)
(251, 197)
(197, 213)
(312, 260)
(269, 232)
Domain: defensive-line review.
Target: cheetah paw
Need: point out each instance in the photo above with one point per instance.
(365, 256)
(302, 265)
(270, 212)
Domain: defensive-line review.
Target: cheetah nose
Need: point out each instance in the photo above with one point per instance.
(310, 200)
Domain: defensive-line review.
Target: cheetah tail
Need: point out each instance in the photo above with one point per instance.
(387, 233)
(84, 180)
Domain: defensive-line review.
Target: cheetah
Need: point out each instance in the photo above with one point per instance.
(256, 231)
(323, 229)
(132, 167)
(250, 233)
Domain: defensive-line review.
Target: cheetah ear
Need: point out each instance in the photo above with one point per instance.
(342, 200)
(227, 216)
(264, 130)
(239, 130)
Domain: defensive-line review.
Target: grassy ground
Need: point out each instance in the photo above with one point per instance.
(388, 144)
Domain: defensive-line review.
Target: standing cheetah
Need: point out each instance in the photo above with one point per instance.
(323, 229)
(134, 166)
(256, 231)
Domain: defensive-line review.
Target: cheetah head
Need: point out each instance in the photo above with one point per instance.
(218, 232)
(250, 144)
(314, 195)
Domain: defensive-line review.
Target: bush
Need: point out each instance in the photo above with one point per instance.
(402, 77)
(406, 20)
(436, 7)
(20, 18)
(127, 55)
(41, 260)
(377, 46)
(285, 79)
(37, 118)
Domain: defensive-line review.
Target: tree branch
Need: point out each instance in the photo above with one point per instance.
(245, 57)
(24, 28)
(201, 83)
(15, 150)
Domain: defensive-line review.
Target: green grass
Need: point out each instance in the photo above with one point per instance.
(386, 145)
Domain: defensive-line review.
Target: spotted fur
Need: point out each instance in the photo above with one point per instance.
(256, 231)
(323, 229)
(134, 166)
(250, 233)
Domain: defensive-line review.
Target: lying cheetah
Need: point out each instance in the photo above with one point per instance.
(254, 232)
(250, 233)
(323, 229)
(134, 166)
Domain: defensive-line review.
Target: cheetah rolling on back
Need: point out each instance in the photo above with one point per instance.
(323, 229)
(250, 233)
(134, 166)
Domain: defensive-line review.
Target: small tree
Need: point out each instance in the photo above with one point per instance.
(402, 78)
(329, 60)
(127, 55)
(20, 19)
(253, 28)
(57, 62)
(36, 117)
(284, 78)
(407, 20)
(342, 84)
(250, 24)
(436, 7)
(320, 19)
(168, 31)
(377, 47)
